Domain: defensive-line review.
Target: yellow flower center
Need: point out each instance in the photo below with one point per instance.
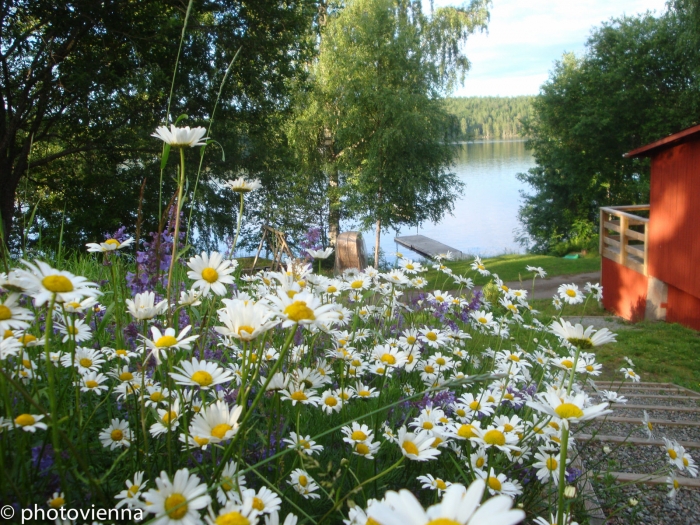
(440, 484)
(26, 339)
(431, 336)
(508, 427)
(514, 357)
(7, 333)
(571, 293)
(219, 431)
(157, 397)
(672, 453)
(57, 502)
(685, 461)
(428, 425)
(650, 426)
(676, 485)
(554, 425)
(495, 437)
(72, 330)
(303, 480)
(461, 412)
(245, 328)
(232, 518)
(258, 504)
(364, 393)
(5, 313)
(436, 442)
(494, 483)
(330, 401)
(508, 396)
(429, 369)
(441, 361)
(113, 242)
(356, 284)
(362, 449)
(443, 521)
(298, 311)
(299, 396)
(389, 359)
(551, 464)
(169, 416)
(202, 378)
(474, 405)
(589, 368)
(483, 320)
(57, 284)
(567, 363)
(133, 490)
(91, 383)
(331, 289)
(176, 506)
(121, 352)
(410, 447)
(631, 373)
(466, 431)
(480, 462)
(117, 435)
(201, 442)
(85, 362)
(210, 275)
(568, 411)
(411, 340)
(166, 341)
(358, 435)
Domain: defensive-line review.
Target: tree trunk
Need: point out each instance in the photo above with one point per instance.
(333, 207)
(8, 188)
(376, 243)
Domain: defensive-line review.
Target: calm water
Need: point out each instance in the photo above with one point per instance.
(486, 215)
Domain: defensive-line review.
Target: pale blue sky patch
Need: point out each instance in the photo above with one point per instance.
(525, 37)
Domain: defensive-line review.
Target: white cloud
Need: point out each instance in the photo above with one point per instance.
(525, 38)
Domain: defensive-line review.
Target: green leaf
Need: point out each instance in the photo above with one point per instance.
(166, 154)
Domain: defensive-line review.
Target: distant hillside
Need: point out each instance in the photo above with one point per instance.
(488, 117)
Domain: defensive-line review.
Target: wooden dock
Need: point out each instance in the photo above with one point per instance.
(426, 246)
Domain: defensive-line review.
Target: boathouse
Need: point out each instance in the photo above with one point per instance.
(651, 253)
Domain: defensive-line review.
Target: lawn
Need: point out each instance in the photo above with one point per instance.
(512, 268)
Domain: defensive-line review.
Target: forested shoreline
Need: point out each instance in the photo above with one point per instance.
(488, 117)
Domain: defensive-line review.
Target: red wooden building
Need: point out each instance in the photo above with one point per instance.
(651, 253)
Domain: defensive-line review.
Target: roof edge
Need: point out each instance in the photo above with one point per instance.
(671, 140)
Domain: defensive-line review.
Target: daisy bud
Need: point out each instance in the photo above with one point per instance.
(633, 502)
(570, 492)
(607, 449)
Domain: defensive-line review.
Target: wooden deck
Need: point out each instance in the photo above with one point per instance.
(426, 246)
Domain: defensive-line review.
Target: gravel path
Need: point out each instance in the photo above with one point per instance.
(653, 507)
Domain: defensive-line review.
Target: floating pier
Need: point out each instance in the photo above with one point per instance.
(426, 246)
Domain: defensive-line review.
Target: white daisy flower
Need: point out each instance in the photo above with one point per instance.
(143, 306)
(320, 254)
(304, 444)
(500, 484)
(580, 338)
(241, 185)
(117, 434)
(201, 373)
(177, 502)
(418, 446)
(130, 496)
(93, 382)
(79, 331)
(570, 294)
(244, 320)
(168, 340)
(303, 484)
(30, 422)
(216, 423)
(432, 483)
(13, 316)
(567, 408)
(185, 137)
(109, 245)
(43, 282)
(631, 374)
(211, 272)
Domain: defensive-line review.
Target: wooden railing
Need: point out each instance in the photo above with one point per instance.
(624, 236)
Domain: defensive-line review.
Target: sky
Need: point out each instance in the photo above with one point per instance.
(525, 37)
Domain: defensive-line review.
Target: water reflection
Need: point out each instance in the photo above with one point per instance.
(486, 215)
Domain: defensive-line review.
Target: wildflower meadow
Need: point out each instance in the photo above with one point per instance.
(169, 388)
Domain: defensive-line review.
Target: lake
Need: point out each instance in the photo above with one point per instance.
(486, 215)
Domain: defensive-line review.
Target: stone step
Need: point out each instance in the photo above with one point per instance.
(649, 479)
(633, 440)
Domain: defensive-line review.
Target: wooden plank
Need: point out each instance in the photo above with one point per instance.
(637, 236)
(660, 407)
(619, 213)
(612, 242)
(660, 422)
(611, 255)
(637, 267)
(648, 384)
(426, 246)
(614, 226)
(633, 440)
(631, 207)
(663, 396)
(649, 479)
(623, 240)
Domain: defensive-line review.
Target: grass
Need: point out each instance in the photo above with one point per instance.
(512, 268)
(661, 352)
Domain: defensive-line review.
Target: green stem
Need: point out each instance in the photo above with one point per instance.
(238, 227)
(562, 473)
(176, 234)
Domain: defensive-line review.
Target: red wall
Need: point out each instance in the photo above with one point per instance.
(683, 308)
(674, 225)
(624, 290)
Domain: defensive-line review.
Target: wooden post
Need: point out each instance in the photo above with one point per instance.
(601, 236)
(646, 248)
(624, 224)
